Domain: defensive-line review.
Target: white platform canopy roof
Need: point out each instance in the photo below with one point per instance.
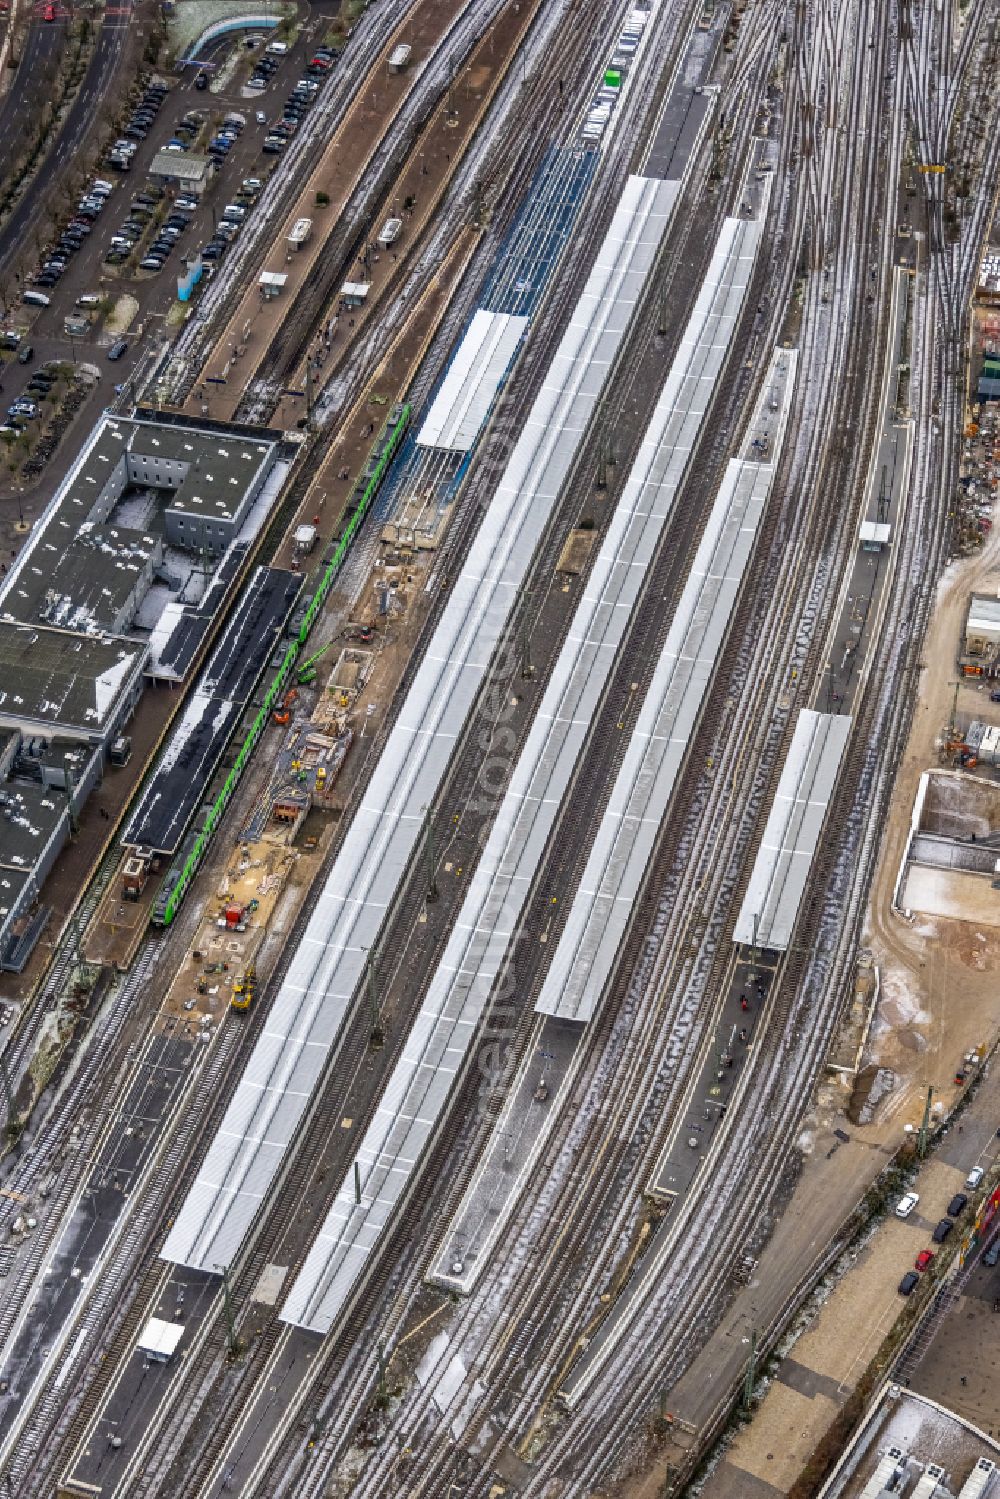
(418, 1091)
(774, 894)
(327, 969)
(471, 381)
(601, 911)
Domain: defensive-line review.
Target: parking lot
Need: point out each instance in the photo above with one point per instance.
(107, 280)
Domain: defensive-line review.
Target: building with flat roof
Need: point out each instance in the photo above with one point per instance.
(44, 784)
(982, 629)
(122, 578)
(143, 536)
(185, 170)
(56, 682)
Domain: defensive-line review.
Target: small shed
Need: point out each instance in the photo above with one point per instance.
(982, 625)
(875, 535)
(272, 284)
(354, 293)
(399, 57)
(158, 1339)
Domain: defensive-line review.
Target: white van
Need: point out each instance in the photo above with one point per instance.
(89, 299)
(277, 49)
(35, 299)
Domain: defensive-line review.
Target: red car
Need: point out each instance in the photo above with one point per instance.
(923, 1259)
(49, 13)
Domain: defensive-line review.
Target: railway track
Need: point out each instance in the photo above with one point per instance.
(300, 1167)
(128, 1324)
(864, 751)
(560, 1312)
(784, 1006)
(550, 561)
(290, 344)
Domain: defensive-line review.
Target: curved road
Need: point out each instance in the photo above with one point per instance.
(73, 131)
(43, 44)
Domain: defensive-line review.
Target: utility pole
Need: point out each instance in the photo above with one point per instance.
(527, 670)
(357, 1184)
(377, 1033)
(925, 1126)
(751, 1375)
(8, 1094)
(661, 321)
(227, 1304)
(309, 391)
(432, 889)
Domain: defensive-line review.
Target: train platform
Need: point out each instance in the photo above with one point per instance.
(415, 198)
(538, 1094)
(687, 107)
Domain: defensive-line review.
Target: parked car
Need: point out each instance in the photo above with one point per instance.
(923, 1259)
(942, 1231)
(906, 1204)
(25, 354)
(992, 1255)
(118, 348)
(974, 1177)
(909, 1283)
(956, 1204)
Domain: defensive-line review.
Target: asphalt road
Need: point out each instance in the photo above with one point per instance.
(43, 45)
(78, 122)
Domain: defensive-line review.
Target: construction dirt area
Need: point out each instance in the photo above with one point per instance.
(938, 971)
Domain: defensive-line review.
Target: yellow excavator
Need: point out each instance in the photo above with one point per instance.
(244, 989)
